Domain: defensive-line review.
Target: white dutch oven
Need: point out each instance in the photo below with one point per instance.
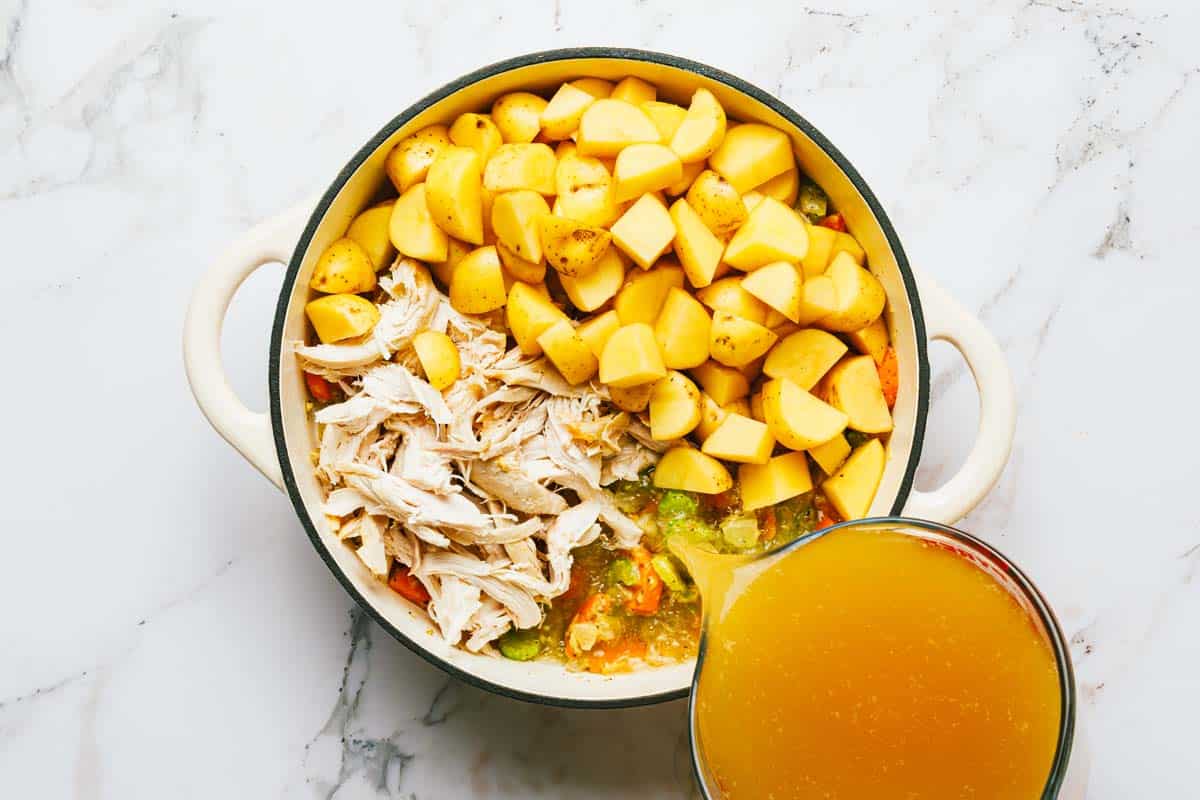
(278, 443)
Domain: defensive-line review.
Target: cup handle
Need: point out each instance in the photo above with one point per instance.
(947, 321)
(249, 432)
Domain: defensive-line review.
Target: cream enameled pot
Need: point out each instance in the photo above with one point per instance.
(279, 443)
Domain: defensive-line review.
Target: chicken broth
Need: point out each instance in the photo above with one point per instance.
(872, 664)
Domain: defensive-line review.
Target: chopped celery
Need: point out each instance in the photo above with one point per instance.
(520, 645)
(693, 529)
(740, 531)
(674, 504)
(664, 565)
(812, 201)
(633, 496)
(623, 571)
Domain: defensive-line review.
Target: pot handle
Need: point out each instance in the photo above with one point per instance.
(249, 432)
(948, 321)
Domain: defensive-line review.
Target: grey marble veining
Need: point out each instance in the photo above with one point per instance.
(168, 632)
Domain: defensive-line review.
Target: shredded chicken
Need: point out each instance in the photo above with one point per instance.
(482, 491)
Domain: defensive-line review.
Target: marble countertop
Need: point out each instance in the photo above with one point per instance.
(167, 630)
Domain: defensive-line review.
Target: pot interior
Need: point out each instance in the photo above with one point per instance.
(363, 180)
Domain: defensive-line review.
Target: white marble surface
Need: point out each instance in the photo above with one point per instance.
(167, 630)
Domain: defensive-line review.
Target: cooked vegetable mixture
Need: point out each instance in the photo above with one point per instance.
(572, 329)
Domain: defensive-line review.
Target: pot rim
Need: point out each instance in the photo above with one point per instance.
(274, 357)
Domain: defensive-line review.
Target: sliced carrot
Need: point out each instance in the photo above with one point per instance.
(615, 656)
(318, 387)
(889, 377)
(647, 594)
(826, 516)
(833, 221)
(402, 582)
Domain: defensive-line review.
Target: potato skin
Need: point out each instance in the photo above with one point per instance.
(690, 470)
(568, 352)
(518, 116)
(370, 230)
(408, 162)
(477, 285)
(439, 358)
(717, 203)
(337, 317)
(453, 194)
(343, 267)
(570, 247)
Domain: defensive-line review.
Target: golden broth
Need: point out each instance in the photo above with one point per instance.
(873, 664)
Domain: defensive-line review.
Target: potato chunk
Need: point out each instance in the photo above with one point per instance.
(698, 249)
(723, 384)
(804, 357)
(674, 407)
(521, 166)
(341, 316)
(742, 439)
(586, 191)
(477, 285)
(560, 118)
(859, 296)
(845, 243)
(408, 162)
(798, 419)
(702, 129)
(343, 267)
(689, 470)
(370, 230)
(596, 330)
(633, 399)
(634, 90)
(871, 340)
(690, 171)
(589, 292)
(779, 285)
(784, 187)
(830, 455)
(781, 478)
(682, 330)
(518, 116)
(852, 489)
(412, 229)
(608, 126)
(529, 313)
(647, 167)
(453, 193)
(820, 250)
(717, 203)
(753, 154)
(855, 390)
(568, 352)
(735, 342)
(727, 294)
(439, 358)
(645, 231)
(515, 218)
(772, 232)
(571, 247)
(531, 272)
(478, 132)
(598, 88)
(642, 297)
(711, 417)
(667, 117)
(818, 300)
(631, 357)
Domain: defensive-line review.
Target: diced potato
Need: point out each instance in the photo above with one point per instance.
(478, 132)
(518, 116)
(515, 218)
(742, 439)
(528, 314)
(774, 318)
(689, 470)
(702, 129)
(598, 88)
(781, 478)
(756, 407)
(645, 231)
(779, 286)
(487, 200)
(852, 489)
(682, 330)
(859, 296)
(818, 300)
(453, 193)
(855, 390)
(783, 187)
(723, 384)
(711, 417)
(456, 251)
(343, 267)
(634, 90)
(753, 154)
(341, 316)
(830, 455)
(740, 406)
(595, 331)
(674, 407)
(727, 294)
(667, 117)
(531, 272)
(647, 167)
(690, 172)
(370, 230)
(634, 399)
(568, 352)
(751, 199)
(735, 342)
(804, 357)
(772, 232)
(521, 166)
(845, 243)
(698, 249)
(412, 229)
(642, 297)
(477, 285)
(572, 248)
(586, 191)
(438, 357)
(752, 371)
(560, 118)
(608, 126)
(408, 162)
(589, 292)
(798, 419)
(871, 340)
(820, 250)
(717, 203)
(631, 357)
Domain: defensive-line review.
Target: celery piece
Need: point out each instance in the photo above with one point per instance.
(812, 202)
(623, 571)
(664, 565)
(741, 531)
(520, 645)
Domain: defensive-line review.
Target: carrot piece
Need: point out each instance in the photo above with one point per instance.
(402, 582)
(769, 525)
(318, 387)
(614, 656)
(889, 377)
(647, 594)
(834, 221)
(594, 606)
(826, 515)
